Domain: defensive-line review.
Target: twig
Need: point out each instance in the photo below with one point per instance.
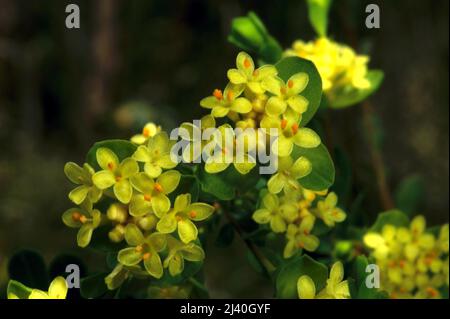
(262, 260)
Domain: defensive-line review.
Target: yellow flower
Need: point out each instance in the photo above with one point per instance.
(228, 101)
(57, 290)
(336, 288)
(194, 134)
(278, 215)
(230, 148)
(82, 176)
(86, 219)
(150, 129)
(289, 133)
(144, 249)
(115, 174)
(181, 217)
(286, 94)
(156, 155)
(300, 237)
(288, 174)
(412, 262)
(338, 65)
(246, 73)
(178, 252)
(151, 195)
(329, 212)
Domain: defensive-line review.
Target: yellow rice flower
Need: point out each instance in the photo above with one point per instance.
(245, 73)
(338, 65)
(150, 129)
(300, 237)
(57, 290)
(229, 101)
(288, 174)
(336, 287)
(275, 213)
(413, 263)
(329, 212)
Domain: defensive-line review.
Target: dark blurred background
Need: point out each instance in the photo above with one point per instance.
(134, 61)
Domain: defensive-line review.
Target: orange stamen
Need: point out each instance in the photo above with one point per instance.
(229, 95)
(147, 197)
(118, 178)
(247, 63)
(76, 216)
(283, 123)
(158, 187)
(83, 219)
(402, 263)
(432, 292)
(146, 256)
(283, 90)
(290, 84)
(301, 245)
(146, 132)
(193, 214)
(110, 166)
(218, 94)
(294, 128)
(306, 232)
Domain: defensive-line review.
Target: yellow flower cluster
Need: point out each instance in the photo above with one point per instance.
(339, 66)
(159, 234)
(413, 263)
(294, 214)
(258, 98)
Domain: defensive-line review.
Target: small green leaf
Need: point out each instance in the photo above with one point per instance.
(345, 99)
(18, 289)
(410, 194)
(391, 217)
(318, 15)
(313, 91)
(286, 281)
(28, 267)
(121, 148)
(322, 174)
(93, 286)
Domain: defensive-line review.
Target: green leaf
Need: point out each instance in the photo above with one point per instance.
(322, 174)
(28, 267)
(93, 286)
(215, 185)
(313, 91)
(121, 148)
(250, 34)
(188, 184)
(318, 15)
(225, 236)
(360, 289)
(391, 217)
(343, 183)
(286, 281)
(18, 289)
(410, 194)
(345, 99)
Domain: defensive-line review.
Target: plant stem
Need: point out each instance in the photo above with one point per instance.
(377, 159)
(262, 260)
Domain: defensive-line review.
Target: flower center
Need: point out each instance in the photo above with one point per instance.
(218, 94)
(111, 166)
(138, 248)
(193, 214)
(147, 197)
(247, 63)
(290, 84)
(158, 187)
(146, 256)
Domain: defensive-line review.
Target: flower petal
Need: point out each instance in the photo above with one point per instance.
(236, 77)
(200, 211)
(307, 138)
(271, 202)
(142, 154)
(262, 216)
(244, 63)
(167, 224)
(187, 230)
(104, 179)
(128, 167)
(106, 159)
(306, 288)
(160, 204)
(152, 170)
(129, 256)
(84, 235)
(297, 83)
(123, 191)
(58, 288)
(241, 105)
(276, 183)
(193, 252)
(277, 224)
(298, 103)
(169, 181)
(133, 235)
(210, 102)
(301, 167)
(153, 265)
(143, 183)
(78, 195)
(275, 106)
(139, 206)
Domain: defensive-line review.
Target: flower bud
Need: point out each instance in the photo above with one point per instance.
(117, 213)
